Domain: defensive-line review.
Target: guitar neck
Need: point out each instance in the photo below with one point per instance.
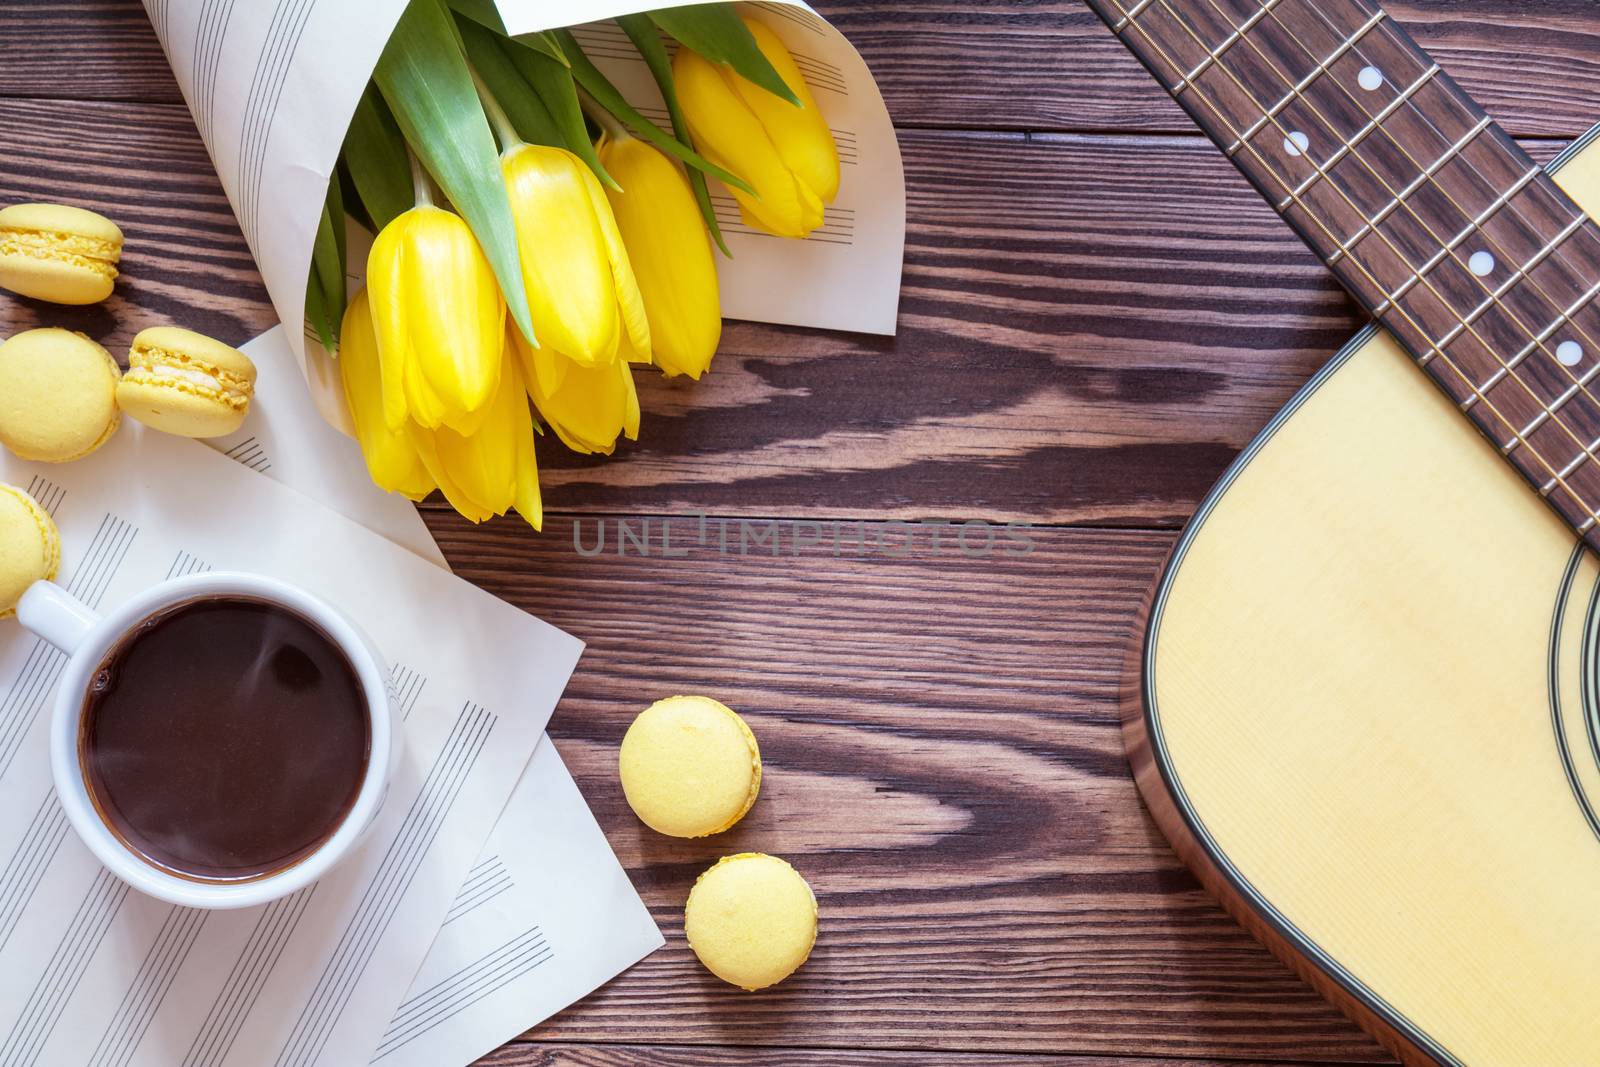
(1427, 212)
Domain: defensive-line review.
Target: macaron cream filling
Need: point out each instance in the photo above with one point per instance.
(148, 363)
(77, 250)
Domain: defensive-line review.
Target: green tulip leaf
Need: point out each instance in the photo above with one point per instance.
(529, 117)
(317, 311)
(606, 95)
(336, 216)
(545, 42)
(325, 289)
(553, 83)
(483, 12)
(375, 153)
(642, 32)
(424, 78)
(717, 32)
(353, 208)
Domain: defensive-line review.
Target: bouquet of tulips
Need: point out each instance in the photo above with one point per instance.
(538, 238)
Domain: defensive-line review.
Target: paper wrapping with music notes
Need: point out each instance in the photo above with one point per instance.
(272, 86)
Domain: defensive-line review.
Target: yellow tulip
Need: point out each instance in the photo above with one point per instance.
(581, 289)
(587, 407)
(785, 152)
(671, 254)
(492, 470)
(391, 459)
(439, 319)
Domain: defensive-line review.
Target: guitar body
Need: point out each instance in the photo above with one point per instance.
(1366, 711)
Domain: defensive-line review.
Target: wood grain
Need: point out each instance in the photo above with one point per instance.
(987, 878)
(1118, 315)
(568, 1055)
(1095, 320)
(998, 64)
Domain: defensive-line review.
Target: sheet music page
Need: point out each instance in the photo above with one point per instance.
(272, 86)
(91, 971)
(546, 914)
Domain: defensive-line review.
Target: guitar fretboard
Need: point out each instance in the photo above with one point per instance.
(1425, 209)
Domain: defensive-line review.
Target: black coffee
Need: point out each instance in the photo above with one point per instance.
(225, 738)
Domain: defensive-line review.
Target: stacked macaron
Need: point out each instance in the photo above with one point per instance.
(690, 767)
(65, 255)
(183, 382)
(61, 394)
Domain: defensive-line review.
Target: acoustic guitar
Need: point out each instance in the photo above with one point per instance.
(1366, 705)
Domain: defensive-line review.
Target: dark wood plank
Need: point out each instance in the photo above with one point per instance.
(1091, 327)
(561, 1054)
(1052, 65)
(1007, 64)
(943, 763)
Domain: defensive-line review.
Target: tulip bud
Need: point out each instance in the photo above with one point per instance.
(439, 320)
(581, 289)
(492, 470)
(391, 459)
(587, 407)
(786, 153)
(671, 254)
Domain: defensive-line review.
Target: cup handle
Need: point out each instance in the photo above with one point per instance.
(56, 615)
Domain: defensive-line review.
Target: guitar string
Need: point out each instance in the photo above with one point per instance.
(1487, 289)
(1557, 251)
(1132, 22)
(1586, 451)
(1377, 228)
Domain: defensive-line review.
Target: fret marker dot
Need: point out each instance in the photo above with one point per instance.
(1481, 264)
(1296, 143)
(1370, 79)
(1569, 353)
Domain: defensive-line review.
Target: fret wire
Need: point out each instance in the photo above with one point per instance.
(1129, 21)
(1499, 202)
(1427, 176)
(1361, 135)
(1586, 456)
(1545, 335)
(1572, 391)
(1577, 462)
(1565, 316)
(1488, 212)
(1417, 183)
(1347, 43)
(1506, 199)
(1555, 247)
(1129, 16)
(1518, 275)
(1295, 91)
(1214, 54)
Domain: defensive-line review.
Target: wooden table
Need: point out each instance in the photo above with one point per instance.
(1097, 315)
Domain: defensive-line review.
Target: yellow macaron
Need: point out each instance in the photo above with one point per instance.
(690, 766)
(751, 919)
(185, 383)
(30, 546)
(57, 395)
(62, 254)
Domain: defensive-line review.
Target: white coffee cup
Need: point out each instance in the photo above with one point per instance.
(59, 618)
